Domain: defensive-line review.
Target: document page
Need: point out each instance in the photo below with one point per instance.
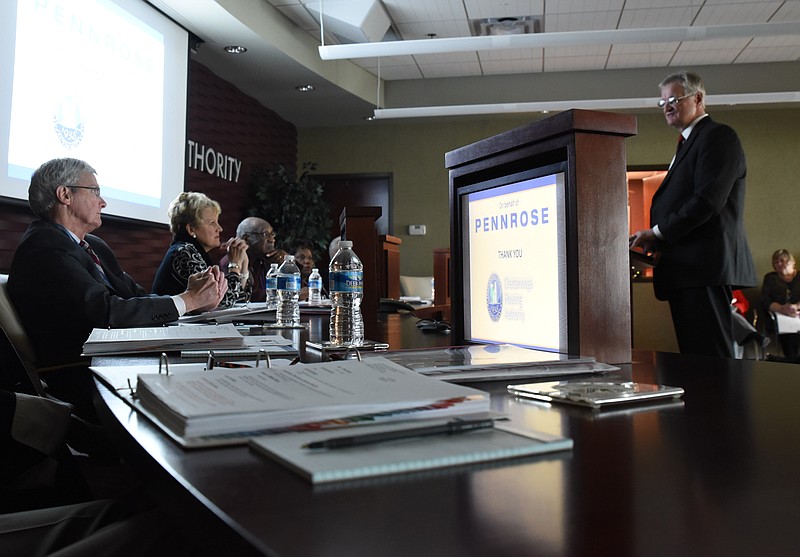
(147, 339)
(375, 382)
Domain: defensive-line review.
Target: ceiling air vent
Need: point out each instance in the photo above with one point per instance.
(521, 25)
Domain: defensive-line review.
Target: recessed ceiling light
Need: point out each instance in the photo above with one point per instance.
(305, 88)
(369, 118)
(235, 49)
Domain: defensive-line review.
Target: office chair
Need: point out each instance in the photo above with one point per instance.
(417, 286)
(18, 341)
(11, 325)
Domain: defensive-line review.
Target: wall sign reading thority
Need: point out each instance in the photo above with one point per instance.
(206, 159)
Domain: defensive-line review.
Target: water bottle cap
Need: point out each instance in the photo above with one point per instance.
(288, 257)
(314, 269)
(345, 244)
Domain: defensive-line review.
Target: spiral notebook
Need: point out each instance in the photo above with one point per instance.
(503, 441)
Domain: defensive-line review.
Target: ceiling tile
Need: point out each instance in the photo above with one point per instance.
(484, 9)
(416, 11)
(736, 12)
(451, 69)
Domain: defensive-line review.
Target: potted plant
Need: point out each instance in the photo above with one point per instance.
(294, 204)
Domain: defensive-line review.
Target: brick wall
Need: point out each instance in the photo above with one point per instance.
(220, 117)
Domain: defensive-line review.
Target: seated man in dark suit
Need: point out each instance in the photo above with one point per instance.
(64, 281)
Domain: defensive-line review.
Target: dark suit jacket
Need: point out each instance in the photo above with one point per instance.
(60, 295)
(699, 211)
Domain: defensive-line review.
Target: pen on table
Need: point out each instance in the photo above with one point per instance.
(450, 428)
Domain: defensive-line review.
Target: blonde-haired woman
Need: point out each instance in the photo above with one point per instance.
(194, 223)
(780, 293)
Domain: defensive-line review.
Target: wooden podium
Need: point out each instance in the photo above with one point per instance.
(592, 144)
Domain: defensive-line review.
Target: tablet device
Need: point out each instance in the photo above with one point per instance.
(595, 394)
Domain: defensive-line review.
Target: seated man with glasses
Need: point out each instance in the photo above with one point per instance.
(64, 281)
(260, 238)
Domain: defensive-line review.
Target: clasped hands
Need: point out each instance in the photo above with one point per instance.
(237, 254)
(205, 290)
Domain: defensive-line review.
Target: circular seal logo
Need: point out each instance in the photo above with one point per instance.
(494, 297)
(68, 123)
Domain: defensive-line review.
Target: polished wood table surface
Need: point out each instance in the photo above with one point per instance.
(715, 474)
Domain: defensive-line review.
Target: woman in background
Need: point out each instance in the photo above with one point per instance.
(193, 219)
(780, 293)
(304, 258)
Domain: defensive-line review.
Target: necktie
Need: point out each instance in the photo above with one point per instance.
(677, 150)
(85, 245)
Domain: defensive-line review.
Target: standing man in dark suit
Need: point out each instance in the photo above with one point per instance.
(61, 292)
(697, 223)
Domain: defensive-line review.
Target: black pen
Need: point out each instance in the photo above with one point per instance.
(450, 428)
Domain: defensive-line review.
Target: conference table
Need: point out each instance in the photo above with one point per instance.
(715, 473)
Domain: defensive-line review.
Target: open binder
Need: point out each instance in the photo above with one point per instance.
(229, 405)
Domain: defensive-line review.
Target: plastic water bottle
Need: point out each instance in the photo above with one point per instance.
(272, 285)
(346, 285)
(288, 312)
(314, 288)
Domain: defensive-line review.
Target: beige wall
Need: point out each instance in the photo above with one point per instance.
(414, 153)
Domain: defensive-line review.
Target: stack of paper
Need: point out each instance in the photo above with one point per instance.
(162, 339)
(272, 345)
(197, 404)
(786, 324)
(251, 311)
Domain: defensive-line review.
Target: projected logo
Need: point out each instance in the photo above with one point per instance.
(68, 122)
(494, 297)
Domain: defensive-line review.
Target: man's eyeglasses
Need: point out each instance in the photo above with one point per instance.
(94, 189)
(672, 101)
(270, 234)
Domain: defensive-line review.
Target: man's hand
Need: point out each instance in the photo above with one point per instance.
(645, 239)
(205, 290)
(222, 282)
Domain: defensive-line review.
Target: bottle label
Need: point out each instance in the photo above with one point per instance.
(289, 282)
(346, 281)
(315, 283)
(272, 283)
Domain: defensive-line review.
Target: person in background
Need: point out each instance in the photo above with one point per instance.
(697, 223)
(780, 293)
(304, 258)
(194, 223)
(261, 252)
(64, 281)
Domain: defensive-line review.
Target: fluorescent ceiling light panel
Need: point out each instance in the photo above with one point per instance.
(558, 106)
(566, 38)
